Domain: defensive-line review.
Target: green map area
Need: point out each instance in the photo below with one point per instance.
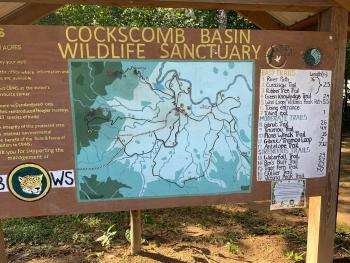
(104, 74)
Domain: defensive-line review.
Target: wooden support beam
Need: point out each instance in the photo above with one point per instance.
(135, 231)
(308, 23)
(323, 210)
(28, 13)
(263, 20)
(344, 4)
(3, 257)
(253, 5)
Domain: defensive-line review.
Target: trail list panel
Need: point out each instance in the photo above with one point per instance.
(293, 124)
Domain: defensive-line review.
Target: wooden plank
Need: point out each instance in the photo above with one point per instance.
(263, 20)
(3, 257)
(255, 5)
(344, 4)
(320, 245)
(6, 8)
(313, 231)
(28, 13)
(308, 23)
(135, 231)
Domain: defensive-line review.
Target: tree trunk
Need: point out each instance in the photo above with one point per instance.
(222, 19)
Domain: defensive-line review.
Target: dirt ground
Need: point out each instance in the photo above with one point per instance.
(201, 234)
(224, 233)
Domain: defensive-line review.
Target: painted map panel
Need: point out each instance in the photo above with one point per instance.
(153, 128)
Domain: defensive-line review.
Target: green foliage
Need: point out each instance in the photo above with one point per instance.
(342, 239)
(62, 229)
(293, 234)
(254, 223)
(43, 229)
(156, 244)
(233, 238)
(107, 237)
(92, 222)
(79, 15)
(296, 212)
(97, 255)
(82, 239)
(90, 15)
(347, 60)
(148, 219)
(294, 256)
(128, 237)
(233, 248)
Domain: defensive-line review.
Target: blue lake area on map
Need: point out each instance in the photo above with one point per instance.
(153, 128)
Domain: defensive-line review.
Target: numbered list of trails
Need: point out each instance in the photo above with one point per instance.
(293, 124)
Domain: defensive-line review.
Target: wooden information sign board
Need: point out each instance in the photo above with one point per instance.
(96, 119)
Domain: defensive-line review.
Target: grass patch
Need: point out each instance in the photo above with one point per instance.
(253, 222)
(89, 236)
(296, 212)
(294, 234)
(342, 240)
(79, 229)
(294, 256)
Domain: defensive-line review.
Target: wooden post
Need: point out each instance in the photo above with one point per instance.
(323, 210)
(313, 232)
(135, 231)
(3, 257)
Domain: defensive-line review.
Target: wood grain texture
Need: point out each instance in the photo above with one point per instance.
(136, 231)
(3, 257)
(306, 24)
(6, 8)
(320, 245)
(263, 20)
(257, 5)
(344, 4)
(313, 230)
(28, 13)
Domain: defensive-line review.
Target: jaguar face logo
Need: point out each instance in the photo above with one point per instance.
(29, 182)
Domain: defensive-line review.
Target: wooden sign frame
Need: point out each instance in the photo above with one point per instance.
(55, 203)
(322, 205)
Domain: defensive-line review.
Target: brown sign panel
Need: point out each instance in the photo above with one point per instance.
(97, 119)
